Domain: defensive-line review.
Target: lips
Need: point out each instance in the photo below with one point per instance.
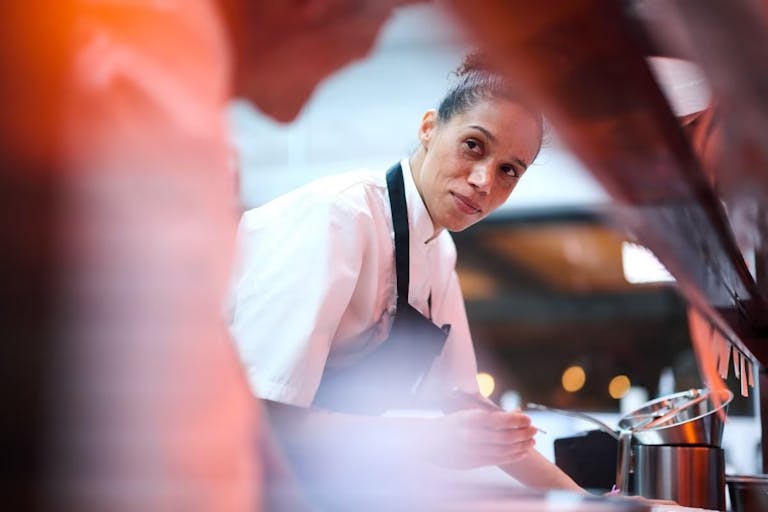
(466, 205)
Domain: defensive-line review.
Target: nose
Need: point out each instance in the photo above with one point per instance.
(481, 177)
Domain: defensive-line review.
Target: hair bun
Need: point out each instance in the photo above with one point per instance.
(474, 62)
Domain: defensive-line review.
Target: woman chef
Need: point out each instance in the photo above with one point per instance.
(347, 303)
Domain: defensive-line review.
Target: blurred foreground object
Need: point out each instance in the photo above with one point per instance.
(283, 50)
(116, 241)
(121, 387)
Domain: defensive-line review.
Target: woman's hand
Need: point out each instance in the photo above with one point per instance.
(474, 438)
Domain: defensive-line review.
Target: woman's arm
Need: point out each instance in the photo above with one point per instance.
(535, 470)
(464, 439)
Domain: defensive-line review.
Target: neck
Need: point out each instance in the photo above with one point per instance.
(416, 161)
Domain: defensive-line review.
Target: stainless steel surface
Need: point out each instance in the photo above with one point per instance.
(680, 418)
(693, 476)
(586, 417)
(678, 410)
(749, 493)
(624, 462)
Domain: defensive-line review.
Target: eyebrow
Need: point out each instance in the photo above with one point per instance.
(488, 134)
(485, 132)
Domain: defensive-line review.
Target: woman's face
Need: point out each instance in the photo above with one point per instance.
(473, 162)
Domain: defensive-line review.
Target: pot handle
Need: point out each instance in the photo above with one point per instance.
(603, 426)
(624, 462)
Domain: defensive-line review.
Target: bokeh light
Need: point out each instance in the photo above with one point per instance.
(619, 386)
(486, 383)
(573, 378)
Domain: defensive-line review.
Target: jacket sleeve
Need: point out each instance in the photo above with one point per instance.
(299, 261)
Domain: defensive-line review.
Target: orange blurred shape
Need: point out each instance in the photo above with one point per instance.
(120, 106)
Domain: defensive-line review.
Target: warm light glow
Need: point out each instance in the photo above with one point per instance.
(486, 383)
(619, 386)
(640, 265)
(573, 378)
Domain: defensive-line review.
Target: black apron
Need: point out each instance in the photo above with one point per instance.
(388, 377)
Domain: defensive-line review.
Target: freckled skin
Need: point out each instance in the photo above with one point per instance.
(468, 166)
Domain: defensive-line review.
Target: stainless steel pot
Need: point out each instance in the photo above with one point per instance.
(687, 418)
(692, 476)
(749, 493)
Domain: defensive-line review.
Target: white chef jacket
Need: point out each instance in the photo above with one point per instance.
(315, 286)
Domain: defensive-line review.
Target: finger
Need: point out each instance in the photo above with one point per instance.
(519, 454)
(503, 437)
(489, 456)
(505, 420)
(499, 454)
(521, 448)
(502, 450)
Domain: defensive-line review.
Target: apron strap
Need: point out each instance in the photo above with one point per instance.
(388, 376)
(399, 208)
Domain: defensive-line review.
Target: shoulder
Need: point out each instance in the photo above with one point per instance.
(359, 191)
(353, 193)
(345, 190)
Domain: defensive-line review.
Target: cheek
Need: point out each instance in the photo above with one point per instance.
(502, 193)
(449, 159)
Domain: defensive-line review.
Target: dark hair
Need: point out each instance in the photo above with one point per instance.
(477, 80)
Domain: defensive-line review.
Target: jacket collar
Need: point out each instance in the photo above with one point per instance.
(420, 222)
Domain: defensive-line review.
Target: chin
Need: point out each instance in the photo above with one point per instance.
(459, 226)
(455, 222)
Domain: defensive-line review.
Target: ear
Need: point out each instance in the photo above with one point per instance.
(427, 127)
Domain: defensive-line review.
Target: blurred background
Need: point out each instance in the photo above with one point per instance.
(554, 310)
(543, 276)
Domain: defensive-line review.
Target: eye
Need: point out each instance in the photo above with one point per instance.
(473, 145)
(510, 171)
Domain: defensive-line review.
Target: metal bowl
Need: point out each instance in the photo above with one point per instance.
(748, 493)
(688, 417)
